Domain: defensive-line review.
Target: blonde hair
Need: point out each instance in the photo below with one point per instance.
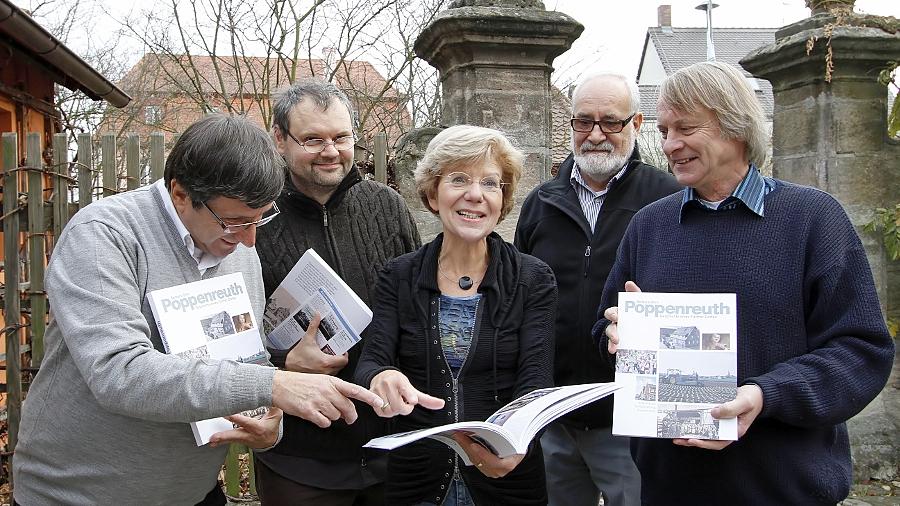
(722, 89)
(463, 145)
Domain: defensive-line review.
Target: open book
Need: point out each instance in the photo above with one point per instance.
(510, 429)
(313, 287)
(676, 360)
(211, 318)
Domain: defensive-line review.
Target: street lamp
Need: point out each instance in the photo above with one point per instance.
(708, 6)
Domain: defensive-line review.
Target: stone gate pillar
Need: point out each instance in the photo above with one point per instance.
(834, 136)
(495, 59)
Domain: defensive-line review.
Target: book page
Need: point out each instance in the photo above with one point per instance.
(493, 436)
(335, 336)
(312, 283)
(511, 428)
(529, 413)
(676, 360)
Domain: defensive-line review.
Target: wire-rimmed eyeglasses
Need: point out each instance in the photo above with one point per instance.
(342, 143)
(607, 126)
(462, 181)
(236, 228)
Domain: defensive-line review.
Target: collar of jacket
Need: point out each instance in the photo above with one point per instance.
(294, 197)
(499, 283)
(558, 192)
(562, 183)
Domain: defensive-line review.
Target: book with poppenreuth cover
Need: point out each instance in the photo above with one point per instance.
(209, 319)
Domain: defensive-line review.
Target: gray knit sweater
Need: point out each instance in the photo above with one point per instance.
(106, 419)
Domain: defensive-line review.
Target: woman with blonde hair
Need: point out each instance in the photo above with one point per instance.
(461, 327)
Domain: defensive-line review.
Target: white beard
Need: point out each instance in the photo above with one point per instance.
(601, 161)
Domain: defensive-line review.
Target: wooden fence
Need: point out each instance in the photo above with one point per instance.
(38, 200)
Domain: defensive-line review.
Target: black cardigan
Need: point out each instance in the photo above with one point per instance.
(362, 226)
(511, 354)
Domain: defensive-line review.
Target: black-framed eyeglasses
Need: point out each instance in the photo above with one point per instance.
(462, 181)
(607, 126)
(314, 146)
(236, 228)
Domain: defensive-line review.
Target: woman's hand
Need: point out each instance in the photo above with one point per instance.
(400, 397)
(484, 460)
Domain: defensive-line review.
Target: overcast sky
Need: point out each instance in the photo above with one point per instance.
(614, 31)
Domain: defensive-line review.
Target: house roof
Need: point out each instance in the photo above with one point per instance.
(245, 75)
(71, 71)
(679, 47)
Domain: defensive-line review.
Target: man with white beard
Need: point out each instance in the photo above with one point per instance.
(575, 223)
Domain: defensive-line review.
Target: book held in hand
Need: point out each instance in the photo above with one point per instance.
(313, 287)
(213, 319)
(510, 429)
(676, 360)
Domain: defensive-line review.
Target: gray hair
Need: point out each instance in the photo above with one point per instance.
(319, 91)
(634, 96)
(462, 145)
(722, 89)
(226, 156)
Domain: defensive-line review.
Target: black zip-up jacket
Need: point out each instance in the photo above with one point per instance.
(553, 228)
(511, 354)
(360, 228)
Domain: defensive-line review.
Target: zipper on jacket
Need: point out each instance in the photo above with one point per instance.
(455, 387)
(325, 216)
(587, 259)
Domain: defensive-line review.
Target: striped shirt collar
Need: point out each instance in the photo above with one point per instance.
(591, 201)
(751, 191)
(578, 180)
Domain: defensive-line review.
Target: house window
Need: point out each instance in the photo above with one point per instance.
(152, 114)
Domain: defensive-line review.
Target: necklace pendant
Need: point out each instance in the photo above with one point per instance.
(465, 283)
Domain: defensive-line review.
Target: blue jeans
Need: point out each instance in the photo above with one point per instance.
(458, 495)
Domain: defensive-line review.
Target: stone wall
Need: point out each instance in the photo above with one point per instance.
(833, 135)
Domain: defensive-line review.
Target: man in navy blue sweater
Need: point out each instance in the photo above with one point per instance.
(812, 346)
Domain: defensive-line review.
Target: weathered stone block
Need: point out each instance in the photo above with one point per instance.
(795, 130)
(796, 169)
(873, 433)
(859, 125)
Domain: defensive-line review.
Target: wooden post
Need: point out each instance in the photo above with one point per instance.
(133, 161)
(85, 170)
(233, 470)
(157, 155)
(381, 157)
(60, 184)
(11, 291)
(36, 234)
(108, 164)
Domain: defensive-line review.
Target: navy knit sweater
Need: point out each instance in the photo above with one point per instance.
(810, 334)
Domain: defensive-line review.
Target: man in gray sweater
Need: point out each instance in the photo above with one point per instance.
(106, 419)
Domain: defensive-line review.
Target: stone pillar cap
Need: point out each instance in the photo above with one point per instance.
(544, 34)
(516, 4)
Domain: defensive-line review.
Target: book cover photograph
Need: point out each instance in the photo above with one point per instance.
(676, 360)
(511, 428)
(211, 318)
(313, 287)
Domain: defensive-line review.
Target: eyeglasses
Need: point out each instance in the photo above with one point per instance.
(607, 126)
(342, 143)
(462, 181)
(236, 228)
